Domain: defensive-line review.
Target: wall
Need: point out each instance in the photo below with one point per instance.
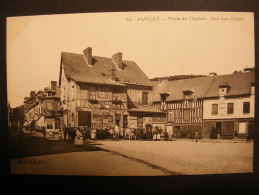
(238, 108)
(135, 95)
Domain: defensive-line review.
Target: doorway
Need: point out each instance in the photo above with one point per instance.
(117, 119)
(251, 129)
(84, 118)
(219, 128)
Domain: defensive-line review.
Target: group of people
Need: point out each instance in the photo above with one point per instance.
(78, 134)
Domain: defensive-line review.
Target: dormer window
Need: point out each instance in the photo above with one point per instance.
(223, 89)
(187, 93)
(163, 96)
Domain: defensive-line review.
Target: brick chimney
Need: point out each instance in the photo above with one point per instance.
(53, 85)
(88, 55)
(117, 58)
(32, 93)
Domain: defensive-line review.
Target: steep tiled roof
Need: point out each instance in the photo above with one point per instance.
(76, 68)
(240, 84)
(204, 87)
(199, 86)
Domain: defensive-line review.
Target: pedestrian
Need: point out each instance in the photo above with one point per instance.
(170, 133)
(248, 138)
(65, 130)
(78, 138)
(235, 136)
(127, 131)
(155, 133)
(116, 131)
(131, 133)
(196, 136)
(93, 134)
(111, 132)
(218, 133)
(159, 133)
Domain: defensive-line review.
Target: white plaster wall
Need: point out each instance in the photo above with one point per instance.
(238, 108)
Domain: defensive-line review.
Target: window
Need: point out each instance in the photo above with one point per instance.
(116, 97)
(125, 121)
(186, 115)
(102, 92)
(230, 108)
(144, 98)
(92, 95)
(170, 116)
(246, 107)
(49, 106)
(49, 124)
(214, 108)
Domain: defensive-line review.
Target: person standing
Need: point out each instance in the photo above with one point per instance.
(65, 130)
(126, 134)
(235, 136)
(93, 133)
(170, 133)
(111, 132)
(247, 138)
(116, 131)
(155, 133)
(78, 138)
(159, 133)
(196, 136)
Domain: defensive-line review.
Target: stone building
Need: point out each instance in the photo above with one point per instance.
(229, 105)
(42, 109)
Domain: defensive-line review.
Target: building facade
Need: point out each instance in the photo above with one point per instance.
(41, 109)
(229, 105)
(182, 100)
(224, 103)
(103, 91)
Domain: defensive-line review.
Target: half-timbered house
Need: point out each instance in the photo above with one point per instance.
(182, 101)
(103, 91)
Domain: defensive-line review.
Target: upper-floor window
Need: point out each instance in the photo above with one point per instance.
(92, 95)
(116, 96)
(49, 106)
(186, 114)
(230, 108)
(187, 94)
(144, 98)
(214, 109)
(246, 107)
(102, 92)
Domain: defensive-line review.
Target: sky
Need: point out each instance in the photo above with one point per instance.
(161, 43)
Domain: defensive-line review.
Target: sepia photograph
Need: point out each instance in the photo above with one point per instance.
(155, 93)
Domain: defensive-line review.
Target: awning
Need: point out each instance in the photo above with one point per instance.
(40, 122)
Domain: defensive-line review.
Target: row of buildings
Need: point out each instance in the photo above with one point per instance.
(94, 90)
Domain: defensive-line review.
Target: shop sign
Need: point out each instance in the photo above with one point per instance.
(222, 108)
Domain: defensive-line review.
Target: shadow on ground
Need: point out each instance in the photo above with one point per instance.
(27, 145)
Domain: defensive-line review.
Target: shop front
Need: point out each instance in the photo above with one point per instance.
(141, 116)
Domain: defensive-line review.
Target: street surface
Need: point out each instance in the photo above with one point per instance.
(120, 158)
(93, 163)
(187, 157)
